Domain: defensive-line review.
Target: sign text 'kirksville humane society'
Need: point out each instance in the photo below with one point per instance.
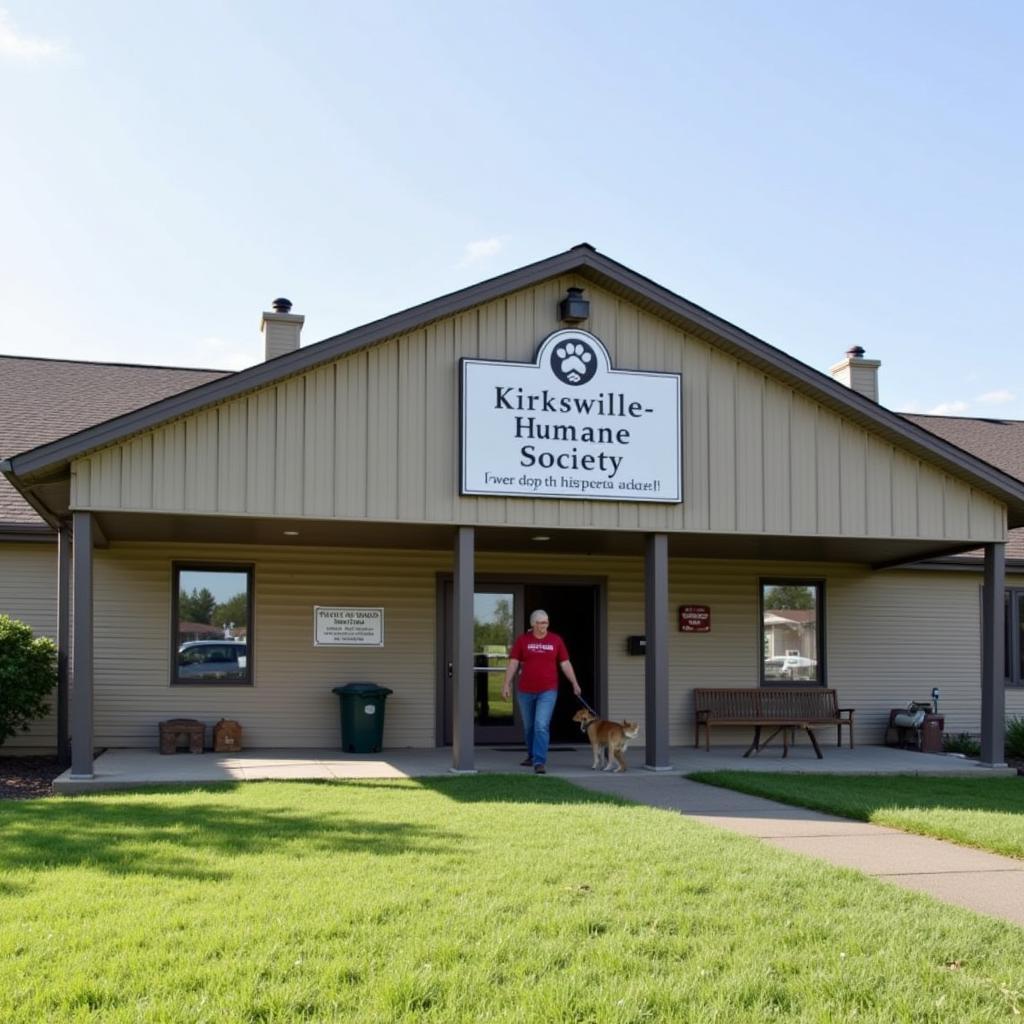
(569, 426)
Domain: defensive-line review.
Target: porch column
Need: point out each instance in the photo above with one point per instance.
(993, 671)
(462, 652)
(81, 666)
(656, 660)
(63, 641)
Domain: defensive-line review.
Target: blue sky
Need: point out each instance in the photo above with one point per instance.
(823, 175)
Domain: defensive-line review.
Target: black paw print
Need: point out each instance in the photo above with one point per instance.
(573, 362)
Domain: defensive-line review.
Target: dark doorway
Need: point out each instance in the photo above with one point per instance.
(573, 611)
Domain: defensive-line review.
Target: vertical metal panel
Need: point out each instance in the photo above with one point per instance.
(721, 443)
(852, 471)
(201, 461)
(81, 478)
(803, 481)
(697, 473)
(291, 431)
(827, 468)
(878, 488)
(261, 452)
(320, 431)
(81, 704)
(106, 478)
(137, 473)
(930, 489)
(777, 482)
(749, 450)
(442, 423)
(382, 432)
(168, 467)
(232, 446)
(350, 457)
(412, 418)
(904, 495)
(956, 508)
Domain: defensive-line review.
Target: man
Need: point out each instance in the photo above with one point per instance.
(540, 654)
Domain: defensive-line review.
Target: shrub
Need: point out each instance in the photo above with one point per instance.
(962, 743)
(28, 673)
(1015, 737)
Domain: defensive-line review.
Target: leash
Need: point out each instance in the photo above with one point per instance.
(588, 707)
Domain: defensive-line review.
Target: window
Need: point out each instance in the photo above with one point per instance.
(792, 617)
(1014, 638)
(212, 628)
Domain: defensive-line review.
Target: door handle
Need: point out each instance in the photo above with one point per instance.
(451, 669)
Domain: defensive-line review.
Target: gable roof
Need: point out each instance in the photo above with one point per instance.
(589, 264)
(77, 395)
(998, 442)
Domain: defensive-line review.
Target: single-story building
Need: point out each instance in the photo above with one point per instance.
(692, 506)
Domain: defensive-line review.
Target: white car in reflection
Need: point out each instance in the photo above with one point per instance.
(790, 666)
(213, 659)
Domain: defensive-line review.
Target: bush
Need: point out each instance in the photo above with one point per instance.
(28, 673)
(962, 743)
(1015, 737)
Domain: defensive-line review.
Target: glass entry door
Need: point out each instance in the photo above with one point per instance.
(497, 620)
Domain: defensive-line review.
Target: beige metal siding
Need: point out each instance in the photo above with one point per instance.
(28, 592)
(376, 436)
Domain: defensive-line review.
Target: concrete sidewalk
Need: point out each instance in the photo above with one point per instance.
(979, 881)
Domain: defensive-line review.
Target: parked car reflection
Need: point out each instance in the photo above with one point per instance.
(790, 666)
(213, 659)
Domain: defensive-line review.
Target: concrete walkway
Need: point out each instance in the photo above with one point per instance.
(979, 881)
(968, 878)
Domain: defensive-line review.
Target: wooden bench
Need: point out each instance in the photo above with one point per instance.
(785, 707)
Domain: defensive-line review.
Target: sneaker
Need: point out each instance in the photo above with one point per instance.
(539, 769)
(527, 762)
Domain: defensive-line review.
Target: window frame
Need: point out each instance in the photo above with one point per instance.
(250, 585)
(790, 581)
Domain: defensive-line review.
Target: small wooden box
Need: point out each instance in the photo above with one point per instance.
(173, 731)
(227, 736)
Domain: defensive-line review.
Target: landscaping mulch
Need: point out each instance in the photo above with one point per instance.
(22, 778)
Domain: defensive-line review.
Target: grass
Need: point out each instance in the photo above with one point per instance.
(985, 813)
(497, 898)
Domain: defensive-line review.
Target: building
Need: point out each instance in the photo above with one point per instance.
(389, 504)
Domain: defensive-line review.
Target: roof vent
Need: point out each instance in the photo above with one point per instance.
(282, 305)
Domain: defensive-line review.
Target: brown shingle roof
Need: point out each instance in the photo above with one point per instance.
(44, 399)
(999, 442)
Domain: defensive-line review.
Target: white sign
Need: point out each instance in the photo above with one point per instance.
(569, 426)
(348, 627)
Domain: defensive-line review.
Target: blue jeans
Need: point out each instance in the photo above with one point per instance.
(536, 710)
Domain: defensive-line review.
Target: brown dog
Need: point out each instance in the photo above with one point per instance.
(608, 740)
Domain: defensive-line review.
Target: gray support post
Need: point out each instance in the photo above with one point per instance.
(81, 666)
(462, 652)
(63, 641)
(993, 671)
(656, 660)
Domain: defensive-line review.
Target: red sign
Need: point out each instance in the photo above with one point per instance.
(694, 618)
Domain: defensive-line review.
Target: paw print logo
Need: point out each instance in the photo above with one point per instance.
(573, 362)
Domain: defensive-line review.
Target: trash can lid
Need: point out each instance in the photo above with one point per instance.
(362, 689)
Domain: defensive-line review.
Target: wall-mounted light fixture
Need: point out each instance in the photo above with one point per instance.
(573, 309)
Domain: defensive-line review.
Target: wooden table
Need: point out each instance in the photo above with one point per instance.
(757, 746)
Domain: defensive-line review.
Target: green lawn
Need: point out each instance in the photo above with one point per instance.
(987, 813)
(491, 898)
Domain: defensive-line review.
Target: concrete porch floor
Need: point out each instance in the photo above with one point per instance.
(127, 768)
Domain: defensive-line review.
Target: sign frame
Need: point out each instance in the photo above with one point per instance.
(352, 616)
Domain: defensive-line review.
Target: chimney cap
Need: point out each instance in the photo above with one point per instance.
(857, 352)
(282, 305)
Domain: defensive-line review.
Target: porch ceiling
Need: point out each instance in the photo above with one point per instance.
(205, 529)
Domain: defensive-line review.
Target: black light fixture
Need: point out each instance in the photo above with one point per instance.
(573, 309)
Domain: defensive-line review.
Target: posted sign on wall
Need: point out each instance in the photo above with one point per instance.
(570, 426)
(348, 627)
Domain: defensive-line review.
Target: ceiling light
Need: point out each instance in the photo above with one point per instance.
(540, 536)
(291, 533)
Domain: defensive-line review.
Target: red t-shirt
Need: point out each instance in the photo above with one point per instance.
(539, 660)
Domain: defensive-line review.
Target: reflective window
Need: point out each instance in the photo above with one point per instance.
(791, 632)
(212, 624)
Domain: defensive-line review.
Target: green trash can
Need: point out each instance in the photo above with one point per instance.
(362, 716)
